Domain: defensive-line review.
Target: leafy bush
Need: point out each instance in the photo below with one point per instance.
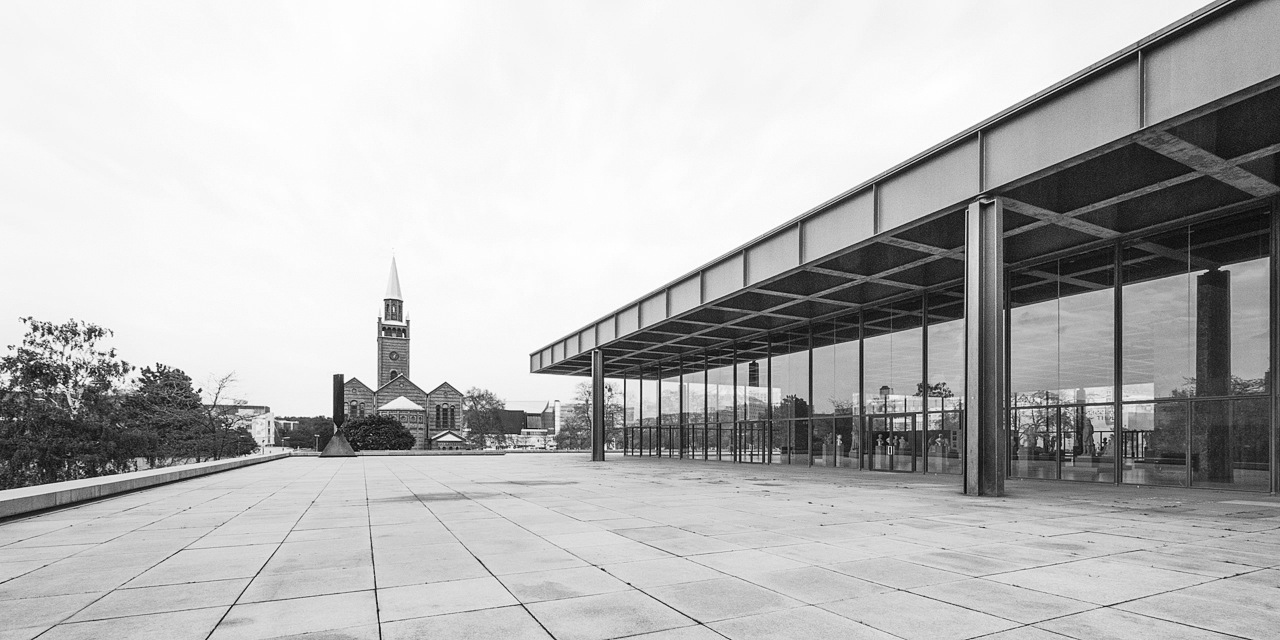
(375, 433)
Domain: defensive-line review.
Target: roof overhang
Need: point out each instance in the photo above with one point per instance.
(1183, 124)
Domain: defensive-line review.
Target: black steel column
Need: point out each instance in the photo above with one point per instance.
(1273, 458)
(862, 393)
(924, 378)
(680, 403)
(984, 349)
(1117, 366)
(597, 405)
(734, 449)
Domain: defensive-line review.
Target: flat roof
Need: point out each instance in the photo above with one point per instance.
(1116, 114)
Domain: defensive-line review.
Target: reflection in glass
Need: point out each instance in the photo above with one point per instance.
(1154, 450)
(1036, 442)
(944, 442)
(1229, 444)
(669, 409)
(1062, 330)
(649, 430)
(1088, 431)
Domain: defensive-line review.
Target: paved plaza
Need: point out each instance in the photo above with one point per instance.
(538, 546)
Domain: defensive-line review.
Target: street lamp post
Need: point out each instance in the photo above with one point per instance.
(317, 447)
(884, 397)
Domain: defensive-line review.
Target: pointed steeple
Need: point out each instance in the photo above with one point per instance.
(393, 283)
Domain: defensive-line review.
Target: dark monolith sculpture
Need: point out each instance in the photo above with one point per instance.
(338, 446)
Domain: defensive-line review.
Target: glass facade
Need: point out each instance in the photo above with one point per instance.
(1143, 360)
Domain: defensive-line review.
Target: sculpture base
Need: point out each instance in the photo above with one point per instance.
(338, 447)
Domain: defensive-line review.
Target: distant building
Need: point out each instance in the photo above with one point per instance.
(257, 418)
(427, 414)
(531, 424)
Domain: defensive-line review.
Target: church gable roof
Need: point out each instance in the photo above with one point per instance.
(403, 383)
(401, 403)
(445, 387)
(447, 436)
(355, 382)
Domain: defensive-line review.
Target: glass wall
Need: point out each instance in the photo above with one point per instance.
(893, 361)
(944, 417)
(835, 389)
(669, 411)
(649, 431)
(752, 439)
(1195, 334)
(720, 417)
(789, 395)
(694, 397)
(631, 416)
(1061, 368)
(1142, 361)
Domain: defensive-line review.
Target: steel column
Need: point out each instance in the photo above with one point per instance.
(984, 318)
(597, 405)
(1273, 456)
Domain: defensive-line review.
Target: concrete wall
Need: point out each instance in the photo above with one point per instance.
(27, 499)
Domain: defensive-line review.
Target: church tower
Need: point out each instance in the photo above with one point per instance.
(393, 333)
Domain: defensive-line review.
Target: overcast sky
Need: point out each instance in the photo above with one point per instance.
(223, 183)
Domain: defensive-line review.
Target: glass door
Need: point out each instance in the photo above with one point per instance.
(893, 441)
(750, 441)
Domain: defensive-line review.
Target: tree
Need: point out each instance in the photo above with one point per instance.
(575, 423)
(164, 412)
(309, 432)
(223, 423)
(60, 406)
(377, 433)
(481, 412)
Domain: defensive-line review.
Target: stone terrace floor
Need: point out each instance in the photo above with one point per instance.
(532, 546)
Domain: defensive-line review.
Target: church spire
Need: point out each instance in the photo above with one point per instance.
(393, 283)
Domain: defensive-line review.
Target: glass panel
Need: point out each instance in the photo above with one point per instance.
(1229, 444)
(846, 443)
(649, 414)
(946, 350)
(695, 395)
(788, 441)
(720, 394)
(790, 381)
(631, 401)
(752, 395)
(823, 451)
(1159, 319)
(1088, 431)
(945, 442)
(1232, 296)
(1154, 450)
(893, 360)
(1036, 443)
(835, 368)
(895, 439)
(669, 390)
(1062, 330)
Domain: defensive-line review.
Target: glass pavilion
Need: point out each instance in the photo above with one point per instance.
(1080, 288)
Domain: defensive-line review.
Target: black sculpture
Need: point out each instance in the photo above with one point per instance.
(338, 446)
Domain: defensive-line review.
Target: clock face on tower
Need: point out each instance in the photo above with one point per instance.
(394, 355)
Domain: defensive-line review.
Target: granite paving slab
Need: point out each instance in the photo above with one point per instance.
(555, 546)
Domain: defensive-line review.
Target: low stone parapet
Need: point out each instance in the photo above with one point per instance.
(46, 496)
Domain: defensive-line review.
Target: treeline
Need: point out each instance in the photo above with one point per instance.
(72, 409)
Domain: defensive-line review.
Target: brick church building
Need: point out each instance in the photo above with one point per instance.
(434, 417)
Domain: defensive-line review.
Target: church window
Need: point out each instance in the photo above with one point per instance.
(352, 411)
(361, 409)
